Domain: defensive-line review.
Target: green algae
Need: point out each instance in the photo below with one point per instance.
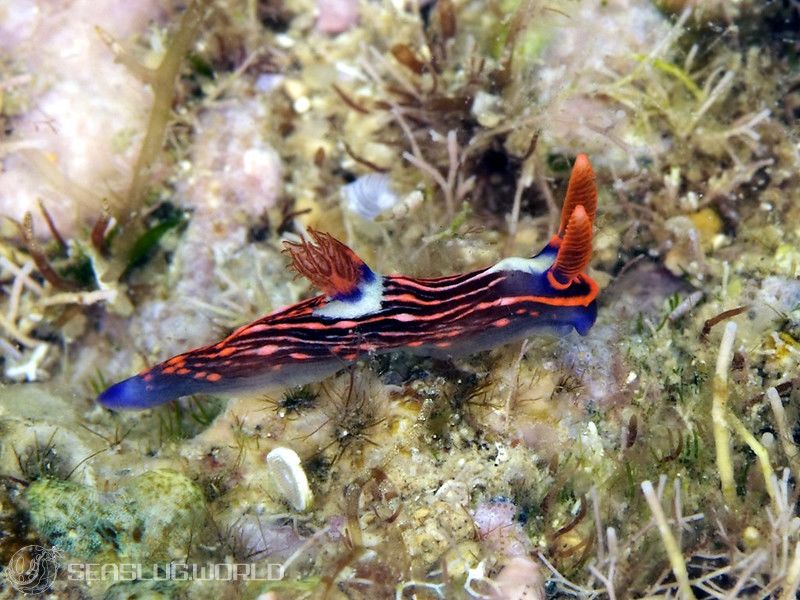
(71, 517)
(148, 241)
(151, 519)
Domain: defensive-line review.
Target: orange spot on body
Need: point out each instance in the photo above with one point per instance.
(299, 355)
(214, 377)
(403, 298)
(502, 322)
(200, 375)
(345, 324)
(183, 371)
(168, 370)
(443, 344)
(251, 329)
(147, 376)
(415, 344)
(226, 351)
(412, 299)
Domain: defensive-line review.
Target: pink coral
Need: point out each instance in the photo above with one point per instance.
(499, 530)
(520, 579)
(79, 130)
(336, 16)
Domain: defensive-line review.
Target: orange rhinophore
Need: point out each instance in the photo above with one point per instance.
(575, 250)
(580, 191)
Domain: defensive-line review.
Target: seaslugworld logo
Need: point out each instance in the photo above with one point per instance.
(176, 571)
(34, 569)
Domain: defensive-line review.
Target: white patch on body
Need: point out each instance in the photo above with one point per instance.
(370, 302)
(535, 266)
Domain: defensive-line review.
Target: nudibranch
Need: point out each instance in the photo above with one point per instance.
(361, 312)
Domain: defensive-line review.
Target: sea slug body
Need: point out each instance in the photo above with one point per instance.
(361, 312)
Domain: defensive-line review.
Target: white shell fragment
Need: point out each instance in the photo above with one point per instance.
(370, 195)
(290, 479)
(487, 109)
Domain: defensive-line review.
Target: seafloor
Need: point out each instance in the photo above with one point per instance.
(156, 155)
